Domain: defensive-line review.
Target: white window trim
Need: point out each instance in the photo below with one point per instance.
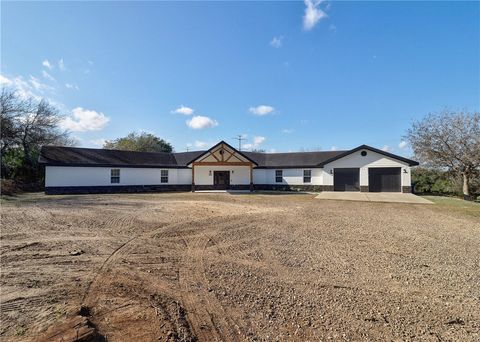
(281, 176)
(112, 176)
(309, 182)
(167, 176)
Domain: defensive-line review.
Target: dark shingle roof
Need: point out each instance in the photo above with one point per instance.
(74, 156)
(291, 159)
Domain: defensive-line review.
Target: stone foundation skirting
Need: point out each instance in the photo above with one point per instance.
(109, 189)
(286, 187)
(213, 187)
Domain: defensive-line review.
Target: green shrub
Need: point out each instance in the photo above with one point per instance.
(433, 181)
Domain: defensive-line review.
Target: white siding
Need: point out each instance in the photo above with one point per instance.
(100, 176)
(290, 176)
(184, 176)
(371, 160)
(239, 176)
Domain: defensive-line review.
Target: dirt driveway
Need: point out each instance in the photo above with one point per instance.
(240, 267)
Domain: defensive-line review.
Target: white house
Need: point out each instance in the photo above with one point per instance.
(84, 170)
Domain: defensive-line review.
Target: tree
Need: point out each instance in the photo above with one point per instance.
(26, 125)
(449, 140)
(143, 142)
(433, 181)
(11, 108)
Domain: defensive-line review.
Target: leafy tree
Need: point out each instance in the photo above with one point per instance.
(451, 141)
(144, 142)
(434, 181)
(27, 125)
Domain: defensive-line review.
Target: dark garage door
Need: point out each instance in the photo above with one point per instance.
(384, 179)
(346, 179)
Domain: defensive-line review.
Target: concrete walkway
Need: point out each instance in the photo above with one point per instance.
(223, 191)
(390, 197)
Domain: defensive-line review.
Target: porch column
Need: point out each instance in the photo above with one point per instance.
(193, 177)
(251, 177)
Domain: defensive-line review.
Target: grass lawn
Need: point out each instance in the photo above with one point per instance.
(456, 204)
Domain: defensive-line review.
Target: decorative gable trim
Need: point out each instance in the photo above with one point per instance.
(222, 153)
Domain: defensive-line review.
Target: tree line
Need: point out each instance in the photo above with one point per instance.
(26, 125)
(447, 144)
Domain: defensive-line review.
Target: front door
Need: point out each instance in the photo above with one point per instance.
(221, 180)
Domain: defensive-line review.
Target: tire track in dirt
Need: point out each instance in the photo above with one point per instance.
(217, 326)
(209, 319)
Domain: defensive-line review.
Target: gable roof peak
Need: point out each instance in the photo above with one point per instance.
(226, 144)
(373, 149)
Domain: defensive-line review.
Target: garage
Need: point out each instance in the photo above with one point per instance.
(346, 179)
(385, 179)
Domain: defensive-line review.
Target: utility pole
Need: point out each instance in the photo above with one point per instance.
(240, 138)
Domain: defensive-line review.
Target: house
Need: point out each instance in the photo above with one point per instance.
(85, 170)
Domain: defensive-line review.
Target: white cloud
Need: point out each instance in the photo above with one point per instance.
(334, 148)
(83, 120)
(287, 130)
(313, 14)
(202, 144)
(261, 110)
(257, 141)
(98, 142)
(201, 122)
(61, 65)
(272, 150)
(47, 76)
(402, 144)
(386, 148)
(24, 88)
(90, 62)
(71, 86)
(5, 80)
(183, 110)
(47, 64)
(37, 84)
(332, 28)
(276, 42)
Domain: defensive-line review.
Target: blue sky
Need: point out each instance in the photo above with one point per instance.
(287, 75)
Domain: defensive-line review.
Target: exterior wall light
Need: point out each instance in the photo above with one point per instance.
(405, 171)
(233, 171)
(331, 171)
(210, 172)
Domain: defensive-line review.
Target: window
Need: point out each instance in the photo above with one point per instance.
(278, 176)
(164, 176)
(115, 176)
(307, 176)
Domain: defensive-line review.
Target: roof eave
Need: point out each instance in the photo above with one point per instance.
(366, 147)
(228, 145)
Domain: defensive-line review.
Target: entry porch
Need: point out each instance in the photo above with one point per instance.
(222, 168)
